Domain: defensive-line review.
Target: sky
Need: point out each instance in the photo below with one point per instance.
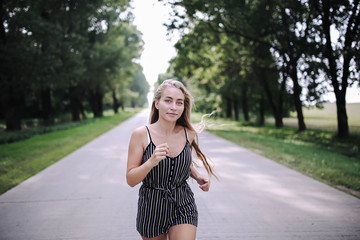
(150, 15)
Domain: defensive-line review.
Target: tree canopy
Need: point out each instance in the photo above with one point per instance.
(67, 56)
(267, 56)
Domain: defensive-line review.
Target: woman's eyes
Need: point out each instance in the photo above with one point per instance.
(169, 101)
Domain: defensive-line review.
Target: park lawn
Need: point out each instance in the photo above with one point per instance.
(315, 152)
(326, 164)
(21, 160)
(326, 118)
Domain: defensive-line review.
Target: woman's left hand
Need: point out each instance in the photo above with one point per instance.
(204, 183)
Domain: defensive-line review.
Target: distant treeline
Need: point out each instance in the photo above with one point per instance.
(267, 57)
(68, 56)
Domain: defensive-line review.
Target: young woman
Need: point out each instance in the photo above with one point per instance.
(160, 157)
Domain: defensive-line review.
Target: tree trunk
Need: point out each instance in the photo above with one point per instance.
(244, 102)
(343, 126)
(122, 105)
(236, 110)
(262, 112)
(115, 102)
(228, 108)
(12, 120)
(99, 102)
(74, 104)
(297, 92)
(82, 110)
(13, 107)
(276, 113)
(298, 106)
(47, 110)
(340, 94)
(96, 102)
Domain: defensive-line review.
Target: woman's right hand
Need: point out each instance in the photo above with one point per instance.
(159, 154)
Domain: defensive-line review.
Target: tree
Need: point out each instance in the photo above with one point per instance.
(231, 19)
(298, 32)
(61, 55)
(141, 86)
(340, 54)
(13, 57)
(195, 65)
(290, 43)
(108, 50)
(126, 43)
(234, 18)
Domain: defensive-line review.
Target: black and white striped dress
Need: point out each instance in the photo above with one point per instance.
(165, 198)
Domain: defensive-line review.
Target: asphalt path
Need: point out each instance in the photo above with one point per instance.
(85, 196)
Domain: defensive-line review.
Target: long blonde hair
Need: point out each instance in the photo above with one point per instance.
(184, 120)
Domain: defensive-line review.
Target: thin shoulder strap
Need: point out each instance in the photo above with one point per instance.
(187, 137)
(148, 135)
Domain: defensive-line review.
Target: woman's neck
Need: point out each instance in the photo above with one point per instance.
(166, 127)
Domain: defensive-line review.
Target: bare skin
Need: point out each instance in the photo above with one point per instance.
(177, 232)
(169, 141)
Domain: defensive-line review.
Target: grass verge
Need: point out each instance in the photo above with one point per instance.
(316, 153)
(21, 160)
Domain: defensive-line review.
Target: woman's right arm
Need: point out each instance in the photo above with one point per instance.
(136, 172)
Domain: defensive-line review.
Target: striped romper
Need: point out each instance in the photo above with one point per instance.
(165, 198)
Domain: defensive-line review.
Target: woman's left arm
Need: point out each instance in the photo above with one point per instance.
(204, 182)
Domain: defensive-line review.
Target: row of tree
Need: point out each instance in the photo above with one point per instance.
(67, 56)
(268, 55)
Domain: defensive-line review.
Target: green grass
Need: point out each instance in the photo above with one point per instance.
(32, 127)
(326, 118)
(315, 152)
(20, 160)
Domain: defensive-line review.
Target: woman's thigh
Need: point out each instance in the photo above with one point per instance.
(182, 232)
(160, 237)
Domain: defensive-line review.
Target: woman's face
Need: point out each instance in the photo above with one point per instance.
(171, 104)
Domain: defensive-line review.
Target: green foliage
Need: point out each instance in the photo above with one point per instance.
(264, 53)
(64, 56)
(33, 129)
(15, 136)
(140, 86)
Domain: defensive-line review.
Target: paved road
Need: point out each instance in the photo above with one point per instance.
(85, 196)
